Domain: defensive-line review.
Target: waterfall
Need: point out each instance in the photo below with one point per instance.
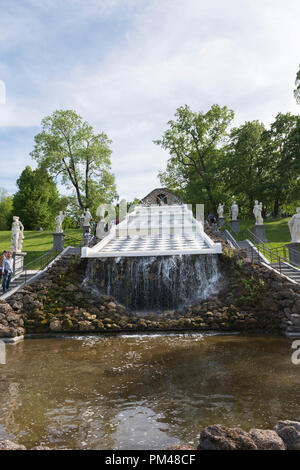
(155, 283)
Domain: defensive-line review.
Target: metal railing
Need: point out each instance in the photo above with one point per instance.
(271, 253)
(39, 263)
(258, 252)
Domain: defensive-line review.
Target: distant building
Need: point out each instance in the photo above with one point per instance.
(161, 196)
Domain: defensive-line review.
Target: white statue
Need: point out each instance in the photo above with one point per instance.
(100, 232)
(220, 210)
(59, 221)
(87, 218)
(257, 210)
(294, 226)
(234, 211)
(17, 235)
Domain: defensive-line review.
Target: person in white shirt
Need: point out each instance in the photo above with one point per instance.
(87, 237)
(7, 271)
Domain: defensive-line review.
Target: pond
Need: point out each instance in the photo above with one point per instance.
(143, 391)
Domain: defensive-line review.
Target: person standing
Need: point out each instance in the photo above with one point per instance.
(87, 238)
(2, 258)
(7, 271)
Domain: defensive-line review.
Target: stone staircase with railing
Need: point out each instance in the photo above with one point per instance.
(260, 252)
(40, 263)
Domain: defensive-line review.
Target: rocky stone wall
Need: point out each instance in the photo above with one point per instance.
(284, 436)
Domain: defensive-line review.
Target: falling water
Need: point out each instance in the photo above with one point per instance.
(164, 282)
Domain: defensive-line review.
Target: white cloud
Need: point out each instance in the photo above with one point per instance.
(239, 53)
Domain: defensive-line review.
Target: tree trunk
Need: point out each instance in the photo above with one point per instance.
(276, 206)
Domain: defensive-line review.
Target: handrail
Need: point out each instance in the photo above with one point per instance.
(40, 262)
(276, 253)
(273, 252)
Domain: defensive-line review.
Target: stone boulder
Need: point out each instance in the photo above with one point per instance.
(267, 439)
(9, 445)
(4, 307)
(289, 431)
(55, 325)
(219, 437)
(40, 448)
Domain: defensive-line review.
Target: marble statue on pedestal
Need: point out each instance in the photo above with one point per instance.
(59, 221)
(100, 232)
(257, 210)
(294, 226)
(220, 210)
(17, 235)
(234, 211)
(87, 218)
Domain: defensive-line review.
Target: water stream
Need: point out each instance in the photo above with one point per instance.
(162, 282)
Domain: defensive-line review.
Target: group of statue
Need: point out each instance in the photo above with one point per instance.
(257, 211)
(17, 232)
(293, 223)
(234, 211)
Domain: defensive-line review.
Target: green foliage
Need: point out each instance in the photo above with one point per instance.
(37, 200)
(68, 147)
(6, 206)
(195, 142)
(253, 289)
(281, 147)
(242, 167)
(208, 166)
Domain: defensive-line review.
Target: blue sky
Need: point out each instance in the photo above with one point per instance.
(126, 65)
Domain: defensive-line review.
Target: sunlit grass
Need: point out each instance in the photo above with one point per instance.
(36, 243)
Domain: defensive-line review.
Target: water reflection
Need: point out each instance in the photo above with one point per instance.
(143, 392)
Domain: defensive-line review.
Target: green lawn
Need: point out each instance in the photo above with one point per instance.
(36, 243)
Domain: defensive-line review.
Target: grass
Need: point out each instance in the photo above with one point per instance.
(277, 231)
(36, 243)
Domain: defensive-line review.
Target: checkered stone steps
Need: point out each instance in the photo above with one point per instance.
(145, 244)
(155, 231)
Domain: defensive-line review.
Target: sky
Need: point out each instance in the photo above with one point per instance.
(126, 65)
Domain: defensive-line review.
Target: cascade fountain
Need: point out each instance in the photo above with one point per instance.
(158, 257)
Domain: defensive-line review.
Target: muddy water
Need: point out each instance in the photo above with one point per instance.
(143, 392)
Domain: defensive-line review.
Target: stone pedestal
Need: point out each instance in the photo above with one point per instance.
(221, 221)
(58, 241)
(260, 232)
(294, 252)
(18, 263)
(81, 221)
(235, 226)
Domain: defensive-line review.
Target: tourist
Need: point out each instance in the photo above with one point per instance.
(7, 271)
(214, 223)
(87, 237)
(2, 258)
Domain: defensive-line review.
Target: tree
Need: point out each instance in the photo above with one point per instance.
(6, 206)
(282, 150)
(69, 148)
(297, 89)
(37, 200)
(244, 166)
(194, 141)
